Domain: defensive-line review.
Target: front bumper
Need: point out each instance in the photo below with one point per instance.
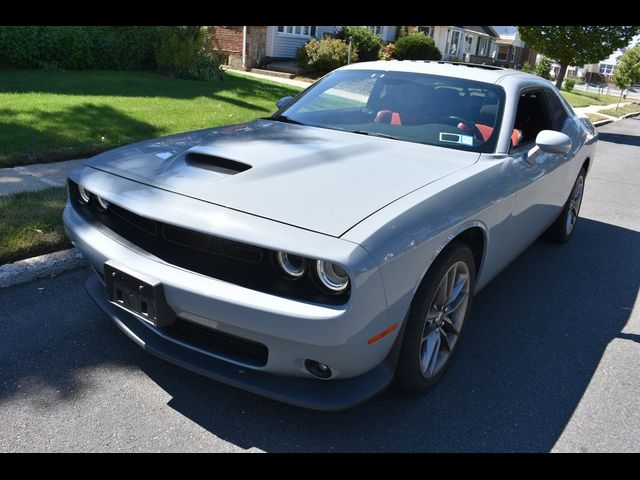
(292, 330)
(303, 392)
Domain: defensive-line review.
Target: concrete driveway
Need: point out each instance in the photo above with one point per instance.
(549, 361)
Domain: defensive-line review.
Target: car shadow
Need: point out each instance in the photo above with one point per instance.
(533, 342)
(619, 138)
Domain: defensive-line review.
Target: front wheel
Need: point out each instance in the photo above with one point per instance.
(436, 318)
(562, 229)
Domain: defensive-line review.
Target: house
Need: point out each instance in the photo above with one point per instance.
(511, 50)
(465, 43)
(249, 46)
(602, 71)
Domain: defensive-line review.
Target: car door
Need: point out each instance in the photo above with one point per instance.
(541, 179)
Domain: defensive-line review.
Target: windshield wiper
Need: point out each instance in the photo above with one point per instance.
(284, 119)
(374, 134)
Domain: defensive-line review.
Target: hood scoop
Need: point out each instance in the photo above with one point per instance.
(215, 163)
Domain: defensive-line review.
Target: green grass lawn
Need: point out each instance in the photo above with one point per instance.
(624, 110)
(58, 115)
(31, 224)
(584, 99)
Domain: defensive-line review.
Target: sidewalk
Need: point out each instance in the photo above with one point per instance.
(273, 78)
(598, 108)
(35, 177)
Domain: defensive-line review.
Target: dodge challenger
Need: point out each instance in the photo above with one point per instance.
(334, 248)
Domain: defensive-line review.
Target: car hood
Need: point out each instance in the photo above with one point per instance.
(314, 178)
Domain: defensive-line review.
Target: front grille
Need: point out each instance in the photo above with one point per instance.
(219, 343)
(234, 262)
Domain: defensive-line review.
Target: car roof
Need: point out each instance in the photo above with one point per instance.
(470, 71)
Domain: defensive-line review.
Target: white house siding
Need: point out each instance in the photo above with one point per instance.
(440, 34)
(285, 45)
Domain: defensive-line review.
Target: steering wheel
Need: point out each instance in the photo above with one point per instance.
(450, 119)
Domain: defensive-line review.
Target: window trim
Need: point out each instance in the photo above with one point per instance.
(292, 34)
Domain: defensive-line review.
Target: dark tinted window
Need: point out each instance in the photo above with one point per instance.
(558, 113)
(532, 116)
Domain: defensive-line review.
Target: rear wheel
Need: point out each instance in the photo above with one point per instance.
(562, 229)
(436, 319)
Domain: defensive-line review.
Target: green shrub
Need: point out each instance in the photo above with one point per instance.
(543, 68)
(203, 67)
(182, 52)
(324, 55)
(366, 43)
(569, 83)
(417, 46)
(78, 48)
(526, 67)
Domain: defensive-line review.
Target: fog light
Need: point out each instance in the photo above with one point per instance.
(318, 369)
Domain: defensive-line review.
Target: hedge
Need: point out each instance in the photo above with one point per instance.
(78, 48)
(177, 51)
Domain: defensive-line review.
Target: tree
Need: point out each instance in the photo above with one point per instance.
(543, 68)
(576, 45)
(627, 71)
(417, 46)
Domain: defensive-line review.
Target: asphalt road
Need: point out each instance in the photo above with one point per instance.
(549, 361)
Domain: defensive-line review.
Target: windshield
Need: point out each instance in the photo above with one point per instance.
(415, 107)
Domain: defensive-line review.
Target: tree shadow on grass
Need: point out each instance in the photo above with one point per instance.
(77, 130)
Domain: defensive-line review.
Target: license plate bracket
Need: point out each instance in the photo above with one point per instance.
(138, 294)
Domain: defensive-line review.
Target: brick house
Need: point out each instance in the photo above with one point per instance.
(272, 42)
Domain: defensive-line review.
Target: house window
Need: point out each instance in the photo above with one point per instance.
(606, 69)
(303, 31)
(503, 53)
(481, 49)
(468, 41)
(428, 31)
(453, 43)
(376, 30)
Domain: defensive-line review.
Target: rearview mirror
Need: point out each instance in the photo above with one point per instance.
(283, 101)
(551, 141)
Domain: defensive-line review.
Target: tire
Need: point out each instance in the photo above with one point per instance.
(562, 229)
(429, 327)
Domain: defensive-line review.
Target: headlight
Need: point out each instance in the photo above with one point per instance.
(102, 203)
(83, 195)
(293, 265)
(332, 276)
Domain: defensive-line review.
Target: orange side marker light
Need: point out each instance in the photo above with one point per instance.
(382, 334)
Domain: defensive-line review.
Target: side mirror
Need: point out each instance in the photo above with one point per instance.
(551, 141)
(283, 101)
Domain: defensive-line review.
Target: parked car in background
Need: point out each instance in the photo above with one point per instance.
(320, 254)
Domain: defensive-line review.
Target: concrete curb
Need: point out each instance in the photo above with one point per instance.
(611, 120)
(48, 265)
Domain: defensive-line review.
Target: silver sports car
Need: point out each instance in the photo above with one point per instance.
(320, 254)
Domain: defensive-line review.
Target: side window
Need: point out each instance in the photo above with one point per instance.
(558, 113)
(532, 116)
